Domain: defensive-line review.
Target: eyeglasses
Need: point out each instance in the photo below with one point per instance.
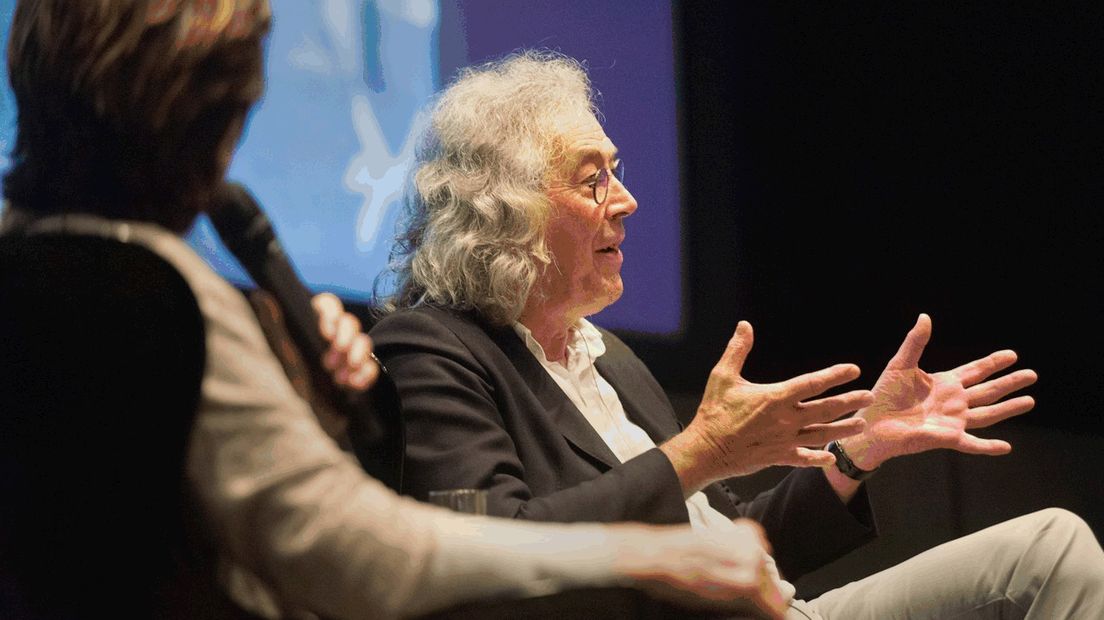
(601, 181)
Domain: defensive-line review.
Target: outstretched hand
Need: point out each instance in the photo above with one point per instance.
(744, 426)
(914, 411)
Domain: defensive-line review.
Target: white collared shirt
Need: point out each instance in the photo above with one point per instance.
(596, 399)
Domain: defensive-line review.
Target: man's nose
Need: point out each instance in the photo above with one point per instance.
(621, 201)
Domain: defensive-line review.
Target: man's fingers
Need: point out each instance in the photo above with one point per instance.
(348, 326)
(821, 434)
(970, 444)
(980, 417)
(809, 385)
(329, 309)
(364, 376)
(990, 392)
(346, 332)
(739, 346)
(361, 369)
(359, 350)
(908, 355)
(352, 360)
(979, 369)
(356, 369)
(808, 457)
(833, 407)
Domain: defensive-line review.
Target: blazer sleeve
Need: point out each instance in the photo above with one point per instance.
(457, 437)
(804, 519)
(806, 522)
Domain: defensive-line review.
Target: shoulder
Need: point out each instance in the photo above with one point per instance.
(432, 317)
(620, 365)
(617, 352)
(217, 298)
(431, 326)
(412, 338)
(417, 338)
(614, 345)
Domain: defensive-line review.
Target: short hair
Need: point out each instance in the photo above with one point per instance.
(473, 231)
(126, 108)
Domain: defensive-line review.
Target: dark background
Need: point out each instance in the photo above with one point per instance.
(850, 165)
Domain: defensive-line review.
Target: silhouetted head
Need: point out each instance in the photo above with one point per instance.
(130, 108)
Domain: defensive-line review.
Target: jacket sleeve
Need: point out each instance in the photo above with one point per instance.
(806, 522)
(804, 519)
(458, 438)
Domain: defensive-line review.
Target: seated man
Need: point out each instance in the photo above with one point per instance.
(128, 115)
(513, 237)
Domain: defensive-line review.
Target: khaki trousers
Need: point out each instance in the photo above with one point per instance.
(1042, 566)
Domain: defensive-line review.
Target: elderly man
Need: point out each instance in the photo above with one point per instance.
(128, 114)
(513, 238)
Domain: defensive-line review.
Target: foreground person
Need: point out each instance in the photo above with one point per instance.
(513, 236)
(128, 115)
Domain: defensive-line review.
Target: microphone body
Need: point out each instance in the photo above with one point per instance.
(248, 234)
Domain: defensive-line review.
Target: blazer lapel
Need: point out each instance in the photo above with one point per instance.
(639, 401)
(652, 414)
(565, 415)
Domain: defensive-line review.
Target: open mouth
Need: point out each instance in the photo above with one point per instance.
(613, 249)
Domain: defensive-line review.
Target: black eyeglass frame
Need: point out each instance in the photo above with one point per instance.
(601, 181)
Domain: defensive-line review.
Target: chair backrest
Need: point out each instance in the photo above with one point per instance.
(101, 359)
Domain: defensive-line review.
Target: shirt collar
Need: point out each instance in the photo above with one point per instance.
(584, 340)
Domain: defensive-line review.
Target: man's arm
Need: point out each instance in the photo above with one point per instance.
(457, 437)
(915, 411)
(742, 427)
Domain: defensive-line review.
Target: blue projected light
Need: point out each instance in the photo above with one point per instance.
(327, 150)
(7, 100)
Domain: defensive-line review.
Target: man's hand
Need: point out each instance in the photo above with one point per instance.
(731, 572)
(914, 411)
(742, 427)
(349, 357)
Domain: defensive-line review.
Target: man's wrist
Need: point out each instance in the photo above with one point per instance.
(690, 457)
(846, 465)
(864, 452)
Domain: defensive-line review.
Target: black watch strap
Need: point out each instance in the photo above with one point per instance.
(846, 466)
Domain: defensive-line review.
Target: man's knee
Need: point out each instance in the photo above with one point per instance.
(1061, 524)
(1063, 544)
(1040, 541)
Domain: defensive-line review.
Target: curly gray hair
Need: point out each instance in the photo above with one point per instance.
(473, 232)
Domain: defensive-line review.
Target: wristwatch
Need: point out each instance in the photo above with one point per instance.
(846, 466)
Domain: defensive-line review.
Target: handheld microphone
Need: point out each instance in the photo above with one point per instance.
(249, 235)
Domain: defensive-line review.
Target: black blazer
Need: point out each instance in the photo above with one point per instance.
(481, 412)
